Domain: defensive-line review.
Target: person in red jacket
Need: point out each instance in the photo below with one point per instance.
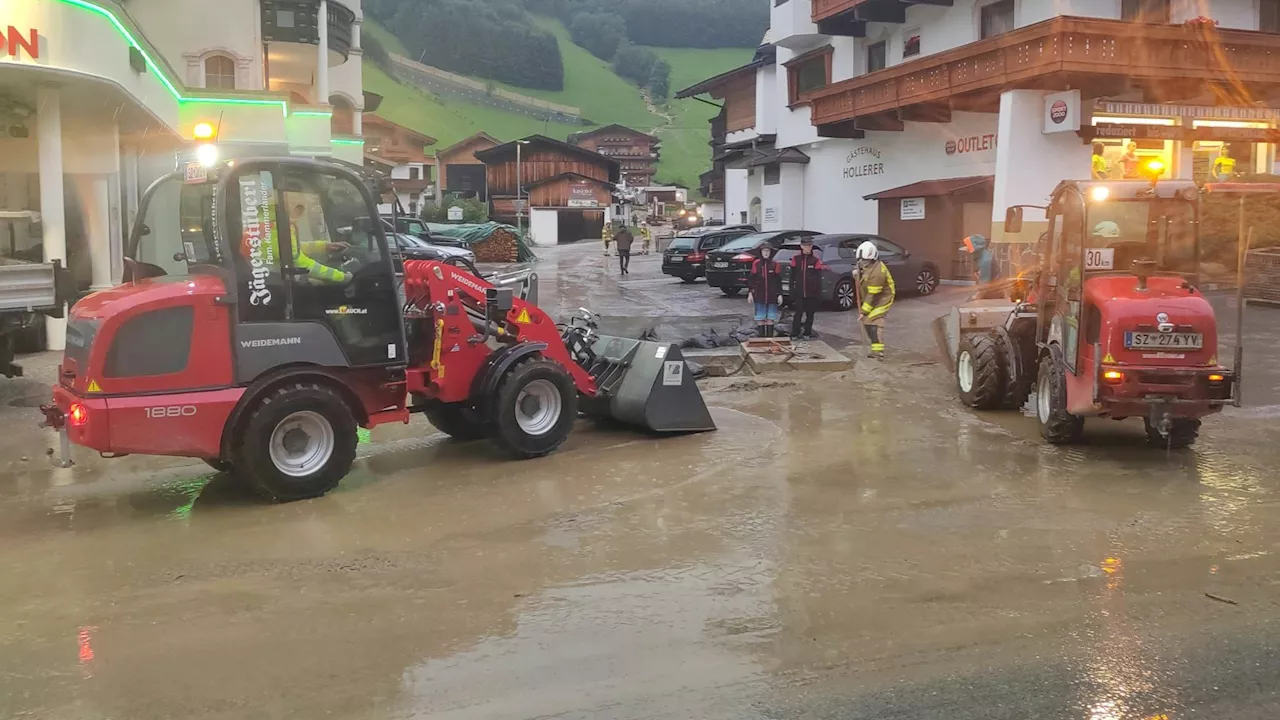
(764, 288)
(806, 289)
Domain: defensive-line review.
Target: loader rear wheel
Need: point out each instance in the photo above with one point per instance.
(534, 409)
(980, 373)
(1182, 433)
(455, 420)
(298, 443)
(1057, 426)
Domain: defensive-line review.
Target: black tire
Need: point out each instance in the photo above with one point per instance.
(321, 405)
(505, 429)
(219, 465)
(1057, 426)
(843, 296)
(927, 280)
(1182, 433)
(980, 364)
(455, 420)
(731, 291)
(688, 280)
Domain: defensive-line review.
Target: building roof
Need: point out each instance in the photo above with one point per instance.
(506, 150)
(379, 121)
(712, 83)
(630, 131)
(770, 155)
(933, 188)
(571, 176)
(463, 143)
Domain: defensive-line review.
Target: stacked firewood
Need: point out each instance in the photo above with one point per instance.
(1262, 275)
(500, 247)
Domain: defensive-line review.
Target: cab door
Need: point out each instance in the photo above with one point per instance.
(1068, 267)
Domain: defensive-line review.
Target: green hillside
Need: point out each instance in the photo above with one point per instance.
(590, 84)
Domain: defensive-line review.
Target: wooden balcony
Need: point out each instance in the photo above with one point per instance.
(1168, 63)
(826, 9)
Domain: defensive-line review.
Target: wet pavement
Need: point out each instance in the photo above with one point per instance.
(854, 545)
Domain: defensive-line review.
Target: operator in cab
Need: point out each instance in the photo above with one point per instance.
(301, 232)
(876, 291)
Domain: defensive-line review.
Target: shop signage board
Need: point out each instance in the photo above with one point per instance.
(911, 209)
(1126, 131)
(1061, 112)
(771, 215)
(581, 196)
(16, 43)
(455, 214)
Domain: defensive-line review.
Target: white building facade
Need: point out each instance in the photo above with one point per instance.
(98, 98)
(850, 98)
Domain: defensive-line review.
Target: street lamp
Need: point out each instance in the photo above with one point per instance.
(519, 190)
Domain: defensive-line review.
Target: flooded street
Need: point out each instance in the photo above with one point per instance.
(849, 545)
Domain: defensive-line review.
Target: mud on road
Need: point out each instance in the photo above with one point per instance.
(851, 545)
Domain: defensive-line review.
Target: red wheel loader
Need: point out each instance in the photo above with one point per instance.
(281, 325)
(1113, 326)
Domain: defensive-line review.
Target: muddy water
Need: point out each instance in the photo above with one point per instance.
(854, 547)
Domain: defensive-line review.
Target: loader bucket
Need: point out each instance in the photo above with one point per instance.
(976, 316)
(646, 384)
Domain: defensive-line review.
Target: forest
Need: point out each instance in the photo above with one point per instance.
(497, 39)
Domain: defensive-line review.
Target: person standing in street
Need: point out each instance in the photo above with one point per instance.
(764, 288)
(876, 292)
(623, 239)
(806, 289)
(646, 239)
(607, 236)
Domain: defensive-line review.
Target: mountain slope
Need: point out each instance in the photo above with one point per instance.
(590, 85)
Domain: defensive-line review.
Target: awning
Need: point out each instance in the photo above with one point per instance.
(934, 188)
(771, 155)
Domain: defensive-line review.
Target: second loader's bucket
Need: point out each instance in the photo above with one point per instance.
(647, 384)
(976, 316)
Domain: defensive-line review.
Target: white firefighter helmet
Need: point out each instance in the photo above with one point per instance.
(868, 251)
(1106, 229)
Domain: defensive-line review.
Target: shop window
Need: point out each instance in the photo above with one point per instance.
(220, 73)
(1147, 11)
(876, 57)
(911, 43)
(996, 18)
(772, 174)
(808, 73)
(1269, 16)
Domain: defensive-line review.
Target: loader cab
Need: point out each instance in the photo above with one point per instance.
(1128, 228)
(300, 251)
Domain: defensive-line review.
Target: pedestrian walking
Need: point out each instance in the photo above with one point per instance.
(876, 292)
(806, 289)
(623, 240)
(646, 239)
(764, 289)
(607, 236)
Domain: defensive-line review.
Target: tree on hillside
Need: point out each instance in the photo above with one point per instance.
(599, 33)
(493, 39)
(634, 63)
(660, 81)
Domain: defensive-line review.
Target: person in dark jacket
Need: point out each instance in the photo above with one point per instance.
(806, 289)
(624, 238)
(764, 289)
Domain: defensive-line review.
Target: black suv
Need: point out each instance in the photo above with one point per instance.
(729, 266)
(686, 256)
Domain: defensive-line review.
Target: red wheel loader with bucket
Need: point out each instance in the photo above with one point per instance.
(1113, 326)
(281, 326)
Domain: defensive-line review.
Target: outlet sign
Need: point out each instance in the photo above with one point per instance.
(14, 44)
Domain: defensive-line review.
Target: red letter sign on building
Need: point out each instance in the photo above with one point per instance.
(14, 41)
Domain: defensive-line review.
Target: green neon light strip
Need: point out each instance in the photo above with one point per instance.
(347, 142)
(155, 68)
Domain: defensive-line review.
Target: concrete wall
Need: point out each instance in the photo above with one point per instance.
(735, 195)
(186, 31)
(1058, 156)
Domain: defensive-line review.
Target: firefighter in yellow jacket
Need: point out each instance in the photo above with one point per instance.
(876, 293)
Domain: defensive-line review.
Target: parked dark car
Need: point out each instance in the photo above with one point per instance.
(415, 248)
(911, 274)
(407, 224)
(729, 266)
(686, 256)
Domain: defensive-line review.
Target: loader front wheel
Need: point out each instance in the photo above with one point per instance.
(298, 442)
(534, 409)
(980, 374)
(1057, 426)
(453, 419)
